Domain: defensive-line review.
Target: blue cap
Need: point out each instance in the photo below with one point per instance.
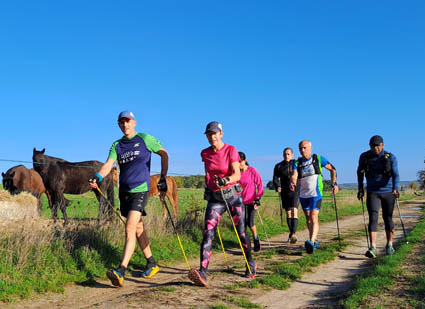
(213, 126)
(376, 140)
(126, 114)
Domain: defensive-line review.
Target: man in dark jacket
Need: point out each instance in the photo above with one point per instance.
(382, 178)
(281, 180)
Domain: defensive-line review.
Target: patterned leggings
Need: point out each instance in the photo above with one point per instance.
(215, 210)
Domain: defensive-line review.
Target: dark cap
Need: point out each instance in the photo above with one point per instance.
(126, 114)
(213, 126)
(242, 156)
(376, 140)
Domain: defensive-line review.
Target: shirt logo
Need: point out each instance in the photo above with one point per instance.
(137, 145)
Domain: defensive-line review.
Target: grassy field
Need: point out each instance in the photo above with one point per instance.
(40, 259)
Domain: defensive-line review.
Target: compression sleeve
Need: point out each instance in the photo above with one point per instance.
(395, 174)
(276, 178)
(361, 172)
(258, 183)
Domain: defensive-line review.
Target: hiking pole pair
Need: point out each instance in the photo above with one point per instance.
(402, 225)
(364, 220)
(234, 226)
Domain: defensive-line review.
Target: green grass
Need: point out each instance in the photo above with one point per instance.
(81, 253)
(241, 302)
(384, 270)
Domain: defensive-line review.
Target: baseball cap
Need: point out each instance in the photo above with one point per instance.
(376, 140)
(126, 114)
(213, 126)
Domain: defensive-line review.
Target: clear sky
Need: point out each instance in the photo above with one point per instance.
(272, 72)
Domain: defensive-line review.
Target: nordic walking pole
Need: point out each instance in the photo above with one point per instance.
(264, 228)
(175, 231)
(234, 227)
(337, 223)
(365, 228)
(280, 204)
(402, 225)
(222, 247)
(109, 203)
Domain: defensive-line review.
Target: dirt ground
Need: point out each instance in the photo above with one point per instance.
(171, 288)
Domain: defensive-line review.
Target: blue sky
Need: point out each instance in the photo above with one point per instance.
(272, 72)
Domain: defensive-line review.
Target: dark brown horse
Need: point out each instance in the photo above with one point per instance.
(20, 179)
(60, 176)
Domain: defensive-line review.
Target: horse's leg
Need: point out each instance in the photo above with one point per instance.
(54, 207)
(101, 200)
(62, 205)
(173, 203)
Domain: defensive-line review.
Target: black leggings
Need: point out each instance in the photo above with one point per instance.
(215, 210)
(250, 214)
(374, 201)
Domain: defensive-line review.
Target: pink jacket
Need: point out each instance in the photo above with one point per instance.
(252, 185)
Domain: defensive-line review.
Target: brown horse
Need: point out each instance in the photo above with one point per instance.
(153, 191)
(18, 179)
(171, 193)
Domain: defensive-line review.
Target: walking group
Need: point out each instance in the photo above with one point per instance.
(235, 187)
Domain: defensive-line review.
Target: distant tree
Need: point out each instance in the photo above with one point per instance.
(270, 185)
(179, 181)
(413, 185)
(421, 179)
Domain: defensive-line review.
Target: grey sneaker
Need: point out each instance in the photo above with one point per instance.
(389, 249)
(371, 253)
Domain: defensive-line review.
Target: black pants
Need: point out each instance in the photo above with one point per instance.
(374, 201)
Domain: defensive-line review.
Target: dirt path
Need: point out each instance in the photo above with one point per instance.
(171, 287)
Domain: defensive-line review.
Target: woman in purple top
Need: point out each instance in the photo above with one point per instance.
(252, 192)
(222, 174)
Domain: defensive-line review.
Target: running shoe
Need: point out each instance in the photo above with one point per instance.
(253, 266)
(150, 271)
(389, 249)
(116, 277)
(257, 246)
(293, 239)
(371, 253)
(198, 277)
(309, 246)
(316, 245)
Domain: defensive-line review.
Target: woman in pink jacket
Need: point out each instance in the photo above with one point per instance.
(252, 192)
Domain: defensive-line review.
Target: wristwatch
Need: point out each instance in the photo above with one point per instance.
(334, 184)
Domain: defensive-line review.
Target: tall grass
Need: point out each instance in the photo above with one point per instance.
(44, 257)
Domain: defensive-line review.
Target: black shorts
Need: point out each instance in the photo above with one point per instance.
(289, 200)
(133, 201)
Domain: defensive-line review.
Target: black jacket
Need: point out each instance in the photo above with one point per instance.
(282, 175)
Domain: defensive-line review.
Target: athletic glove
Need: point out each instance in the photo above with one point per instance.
(221, 181)
(360, 194)
(257, 202)
(96, 177)
(396, 194)
(162, 184)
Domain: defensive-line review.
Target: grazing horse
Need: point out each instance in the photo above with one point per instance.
(19, 179)
(171, 193)
(60, 176)
(153, 191)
